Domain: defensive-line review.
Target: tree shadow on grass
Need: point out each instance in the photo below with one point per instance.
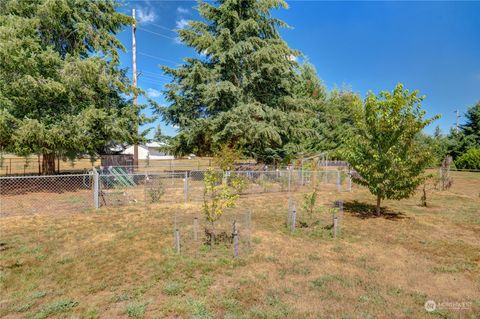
(364, 211)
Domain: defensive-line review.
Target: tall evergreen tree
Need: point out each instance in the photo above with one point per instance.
(61, 89)
(471, 128)
(239, 91)
(331, 115)
(158, 135)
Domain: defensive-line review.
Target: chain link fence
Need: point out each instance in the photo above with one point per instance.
(117, 186)
(121, 189)
(46, 194)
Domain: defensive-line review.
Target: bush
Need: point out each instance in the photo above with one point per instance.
(156, 191)
(469, 160)
(217, 196)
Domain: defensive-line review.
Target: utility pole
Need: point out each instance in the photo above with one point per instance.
(457, 116)
(134, 68)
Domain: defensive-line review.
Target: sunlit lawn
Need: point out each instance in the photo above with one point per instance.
(119, 263)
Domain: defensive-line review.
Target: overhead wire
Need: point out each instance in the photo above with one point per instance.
(156, 57)
(156, 33)
(162, 27)
(155, 74)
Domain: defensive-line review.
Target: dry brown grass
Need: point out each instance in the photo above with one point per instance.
(119, 263)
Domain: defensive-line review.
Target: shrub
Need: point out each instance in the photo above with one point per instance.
(469, 160)
(310, 202)
(216, 198)
(156, 191)
(238, 182)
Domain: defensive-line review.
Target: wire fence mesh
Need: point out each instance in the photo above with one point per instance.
(141, 188)
(192, 233)
(46, 194)
(116, 186)
(307, 214)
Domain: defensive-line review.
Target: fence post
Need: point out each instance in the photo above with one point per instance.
(335, 225)
(340, 213)
(340, 205)
(177, 241)
(96, 188)
(349, 181)
(289, 179)
(185, 187)
(289, 215)
(235, 239)
(195, 229)
(338, 181)
(334, 215)
(294, 218)
(226, 174)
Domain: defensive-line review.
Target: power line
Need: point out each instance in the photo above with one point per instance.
(156, 33)
(157, 74)
(163, 27)
(145, 76)
(157, 77)
(150, 81)
(148, 76)
(156, 57)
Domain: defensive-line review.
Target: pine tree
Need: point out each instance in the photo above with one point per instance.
(331, 115)
(239, 91)
(61, 89)
(386, 152)
(471, 128)
(159, 136)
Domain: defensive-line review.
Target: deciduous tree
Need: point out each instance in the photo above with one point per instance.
(385, 153)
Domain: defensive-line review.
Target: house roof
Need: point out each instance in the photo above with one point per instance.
(155, 144)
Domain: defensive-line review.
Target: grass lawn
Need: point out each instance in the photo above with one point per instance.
(120, 263)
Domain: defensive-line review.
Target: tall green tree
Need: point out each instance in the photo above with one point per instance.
(471, 127)
(61, 89)
(385, 152)
(160, 137)
(460, 141)
(239, 90)
(331, 115)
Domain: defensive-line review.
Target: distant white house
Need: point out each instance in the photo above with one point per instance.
(150, 151)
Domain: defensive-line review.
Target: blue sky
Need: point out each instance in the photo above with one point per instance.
(433, 47)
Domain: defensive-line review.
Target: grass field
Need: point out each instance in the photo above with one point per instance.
(120, 263)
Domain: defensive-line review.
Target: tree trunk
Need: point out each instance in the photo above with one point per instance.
(377, 209)
(48, 167)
